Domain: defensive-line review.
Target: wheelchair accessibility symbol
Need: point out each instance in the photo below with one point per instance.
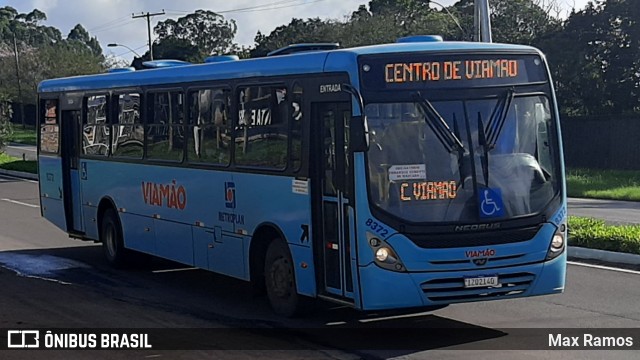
(491, 205)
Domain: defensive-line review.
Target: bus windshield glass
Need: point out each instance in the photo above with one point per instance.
(507, 166)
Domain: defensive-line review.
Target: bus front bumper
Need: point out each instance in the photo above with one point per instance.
(384, 289)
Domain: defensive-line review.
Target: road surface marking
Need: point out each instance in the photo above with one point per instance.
(336, 323)
(20, 203)
(18, 178)
(405, 316)
(173, 270)
(604, 267)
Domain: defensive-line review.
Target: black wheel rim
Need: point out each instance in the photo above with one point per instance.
(281, 278)
(110, 240)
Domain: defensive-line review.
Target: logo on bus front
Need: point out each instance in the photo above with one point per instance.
(480, 257)
(230, 195)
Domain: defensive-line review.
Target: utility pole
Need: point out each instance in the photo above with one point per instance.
(148, 16)
(15, 52)
(482, 21)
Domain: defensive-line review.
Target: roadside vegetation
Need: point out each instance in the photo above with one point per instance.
(25, 136)
(604, 184)
(10, 163)
(595, 234)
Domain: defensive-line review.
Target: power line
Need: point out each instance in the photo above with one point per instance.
(148, 16)
(262, 7)
(116, 25)
(110, 22)
(238, 9)
(283, 6)
(258, 7)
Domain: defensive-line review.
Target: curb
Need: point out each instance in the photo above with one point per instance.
(603, 255)
(19, 174)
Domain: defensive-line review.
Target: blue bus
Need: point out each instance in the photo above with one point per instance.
(415, 174)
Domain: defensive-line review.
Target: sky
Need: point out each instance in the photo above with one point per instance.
(111, 20)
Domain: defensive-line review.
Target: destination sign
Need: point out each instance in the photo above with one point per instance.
(428, 190)
(416, 71)
(451, 70)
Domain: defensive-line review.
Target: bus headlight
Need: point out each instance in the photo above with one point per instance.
(558, 243)
(384, 255)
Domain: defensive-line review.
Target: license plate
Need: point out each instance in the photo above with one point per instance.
(482, 281)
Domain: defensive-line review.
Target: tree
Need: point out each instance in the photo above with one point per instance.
(26, 28)
(39, 52)
(78, 35)
(521, 21)
(5, 120)
(594, 59)
(205, 31)
(297, 31)
(383, 22)
(618, 50)
(178, 49)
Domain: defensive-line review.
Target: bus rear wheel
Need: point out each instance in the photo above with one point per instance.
(280, 280)
(112, 239)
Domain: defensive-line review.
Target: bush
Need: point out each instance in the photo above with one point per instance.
(5, 120)
(595, 234)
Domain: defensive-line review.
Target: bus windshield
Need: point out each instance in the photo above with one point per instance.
(506, 168)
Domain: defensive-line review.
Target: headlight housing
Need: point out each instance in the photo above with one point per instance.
(384, 255)
(558, 243)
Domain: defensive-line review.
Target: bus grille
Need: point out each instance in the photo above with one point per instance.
(452, 289)
(458, 240)
(493, 261)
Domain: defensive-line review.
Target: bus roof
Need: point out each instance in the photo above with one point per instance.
(344, 60)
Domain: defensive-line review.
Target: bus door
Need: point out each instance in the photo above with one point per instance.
(333, 214)
(71, 121)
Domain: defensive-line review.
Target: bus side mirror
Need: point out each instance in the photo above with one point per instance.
(359, 134)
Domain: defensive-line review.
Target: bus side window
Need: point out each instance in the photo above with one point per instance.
(209, 127)
(126, 136)
(165, 126)
(49, 129)
(95, 128)
(262, 131)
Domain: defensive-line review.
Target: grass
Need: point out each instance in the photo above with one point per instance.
(604, 184)
(25, 136)
(10, 163)
(595, 234)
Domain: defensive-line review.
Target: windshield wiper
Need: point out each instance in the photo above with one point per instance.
(438, 125)
(485, 150)
(497, 119)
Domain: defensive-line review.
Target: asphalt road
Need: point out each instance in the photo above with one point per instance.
(19, 150)
(66, 283)
(620, 212)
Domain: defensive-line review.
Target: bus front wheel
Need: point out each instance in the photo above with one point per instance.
(280, 280)
(111, 238)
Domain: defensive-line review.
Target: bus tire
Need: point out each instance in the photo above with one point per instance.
(280, 281)
(112, 239)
